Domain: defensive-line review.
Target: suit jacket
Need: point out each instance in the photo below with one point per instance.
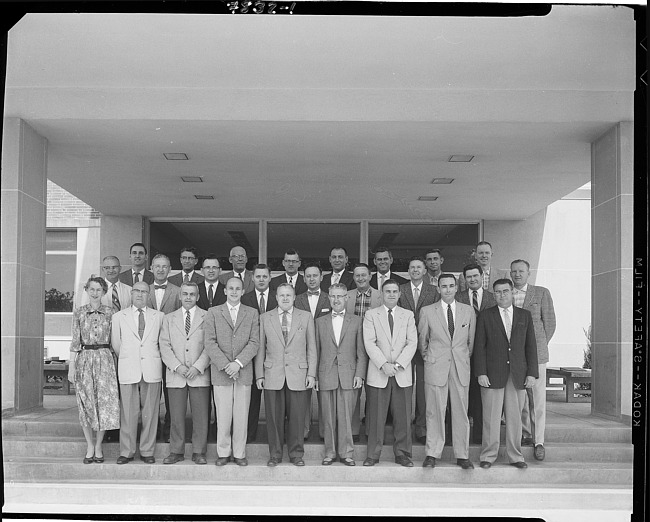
(219, 296)
(126, 277)
(177, 347)
(398, 279)
(123, 294)
(539, 303)
(177, 279)
(322, 306)
(250, 299)
(137, 358)
(225, 342)
(339, 364)
(495, 357)
(375, 300)
(292, 363)
(494, 275)
(346, 279)
(488, 300)
(437, 347)
(381, 347)
(299, 287)
(171, 298)
(248, 279)
(428, 295)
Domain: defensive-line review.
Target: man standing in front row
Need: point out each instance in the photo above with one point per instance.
(185, 362)
(232, 335)
(286, 366)
(390, 339)
(505, 360)
(446, 338)
(134, 337)
(342, 365)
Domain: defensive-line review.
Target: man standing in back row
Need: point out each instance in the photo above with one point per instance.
(138, 271)
(238, 259)
(338, 260)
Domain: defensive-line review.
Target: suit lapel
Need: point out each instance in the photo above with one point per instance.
(383, 320)
(130, 321)
(440, 313)
(275, 321)
(149, 315)
(226, 315)
(497, 315)
(529, 296)
(344, 328)
(179, 320)
(295, 320)
(165, 296)
(198, 320)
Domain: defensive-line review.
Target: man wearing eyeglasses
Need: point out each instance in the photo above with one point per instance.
(238, 259)
(118, 295)
(291, 264)
(187, 274)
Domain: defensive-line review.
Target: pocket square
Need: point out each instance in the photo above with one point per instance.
(325, 310)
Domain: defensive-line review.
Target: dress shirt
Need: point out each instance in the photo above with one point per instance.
(313, 301)
(337, 325)
(159, 293)
(140, 277)
(382, 278)
(266, 298)
(479, 296)
(234, 310)
(433, 279)
(214, 288)
(419, 289)
(338, 276)
(294, 277)
(452, 305)
(486, 278)
(519, 296)
(503, 320)
(189, 275)
(136, 314)
(192, 312)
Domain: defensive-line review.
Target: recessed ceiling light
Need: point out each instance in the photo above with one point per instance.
(460, 158)
(192, 179)
(175, 156)
(203, 196)
(427, 198)
(442, 181)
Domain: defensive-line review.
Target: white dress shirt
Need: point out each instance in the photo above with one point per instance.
(503, 319)
(337, 325)
(446, 306)
(313, 302)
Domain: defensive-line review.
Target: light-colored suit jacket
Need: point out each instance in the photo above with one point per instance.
(375, 300)
(322, 306)
(137, 358)
(248, 279)
(339, 364)
(177, 348)
(123, 294)
(437, 347)
(292, 363)
(539, 303)
(225, 342)
(171, 300)
(381, 347)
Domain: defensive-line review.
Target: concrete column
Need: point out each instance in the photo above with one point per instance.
(612, 256)
(24, 200)
(118, 233)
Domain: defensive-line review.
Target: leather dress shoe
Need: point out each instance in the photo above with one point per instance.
(124, 460)
(241, 462)
(199, 458)
(519, 465)
(348, 461)
(327, 461)
(540, 452)
(273, 461)
(370, 461)
(173, 458)
(464, 463)
(222, 461)
(526, 441)
(403, 460)
(485, 464)
(429, 462)
(297, 461)
(148, 460)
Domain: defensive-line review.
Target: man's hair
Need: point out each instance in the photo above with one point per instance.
(433, 251)
(111, 257)
(313, 265)
(361, 265)
(520, 261)
(503, 281)
(236, 279)
(339, 286)
(390, 282)
(192, 284)
(237, 246)
(339, 248)
(211, 255)
(417, 258)
(189, 249)
(285, 285)
(472, 266)
(138, 244)
(484, 243)
(262, 266)
(383, 249)
(160, 256)
(292, 252)
(446, 276)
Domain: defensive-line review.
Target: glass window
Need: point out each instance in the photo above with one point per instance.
(60, 269)
(62, 240)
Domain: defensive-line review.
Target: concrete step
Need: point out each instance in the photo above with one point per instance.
(73, 448)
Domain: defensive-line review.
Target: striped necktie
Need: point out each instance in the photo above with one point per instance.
(115, 298)
(188, 323)
(285, 327)
(141, 323)
(450, 321)
(475, 301)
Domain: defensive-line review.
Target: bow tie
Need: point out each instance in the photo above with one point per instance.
(160, 287)
(338, 314)
(317, 292)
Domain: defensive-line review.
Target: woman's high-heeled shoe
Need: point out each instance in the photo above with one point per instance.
(99, 460)
(89, 460)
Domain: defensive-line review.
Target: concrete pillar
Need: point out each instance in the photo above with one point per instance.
(24, 200)
(612, 256)
(118, 233)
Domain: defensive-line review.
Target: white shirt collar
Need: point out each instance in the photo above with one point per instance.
(191, 310)
(419, 287)
(386, 308)
(236, 307)
(265, 293)
(509, 310)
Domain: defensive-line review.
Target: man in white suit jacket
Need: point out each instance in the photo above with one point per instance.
(446, 340)
(390, 339)
(186, 361)
(134, 336)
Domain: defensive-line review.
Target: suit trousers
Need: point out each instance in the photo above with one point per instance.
(510, 401)
(336, 408)
(379, 400)
(308, 414)
(475, 406)
(232, 403)
(167, 420)
(133, 397)
(533, 418)
(293, 404)
(254, 410)
(356, 414)
(420, 397)
(199, 404)
(436, 408)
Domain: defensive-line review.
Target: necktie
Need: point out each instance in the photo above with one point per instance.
(136, 277)
(316, 293)
(240, 276)
(188, 323)
(160, 287)
(335, 278)
(115, 299)
(210, 295)
(390, 321)
(141, 323)
(506, 317)
(186, 278)
(285, 327)
(450, 321)
(338, 314)
(382, 279)
(475, 301)
(262, 304)
(416, 295)
(291, 280)
(233, 315)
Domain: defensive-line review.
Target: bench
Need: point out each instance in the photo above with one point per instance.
(55, 378)
(571, 376)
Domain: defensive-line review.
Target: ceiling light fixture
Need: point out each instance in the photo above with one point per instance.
(460, 158)
(174, 156)
(427, 198)
(203, 196)
(192, 179)
(442, 181)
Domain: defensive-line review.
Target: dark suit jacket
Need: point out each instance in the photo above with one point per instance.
(126, 277)
(488, 299)
(177, 279)
(322, 307)
(218, 299)
(346, 279)
(398, 279)
(250, 299)
(300, 287)
(495, 357)
(248, 279)
(428, 295)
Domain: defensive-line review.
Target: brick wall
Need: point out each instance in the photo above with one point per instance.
(63, 205)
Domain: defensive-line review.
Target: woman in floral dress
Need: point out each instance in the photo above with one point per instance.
(92, 369)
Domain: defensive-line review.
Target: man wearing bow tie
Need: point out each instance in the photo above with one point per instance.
(291, 264)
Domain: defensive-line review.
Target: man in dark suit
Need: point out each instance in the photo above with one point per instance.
(506, 364)
(479, 299)
(383, 261)
(137, 272)
(414, 295)
(187, 274)
(262, 300)
(211, 290)
(238, 259)
(291, 264)
(338, 260)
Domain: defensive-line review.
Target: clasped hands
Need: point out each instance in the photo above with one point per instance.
(188, 373)
(390, 369)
